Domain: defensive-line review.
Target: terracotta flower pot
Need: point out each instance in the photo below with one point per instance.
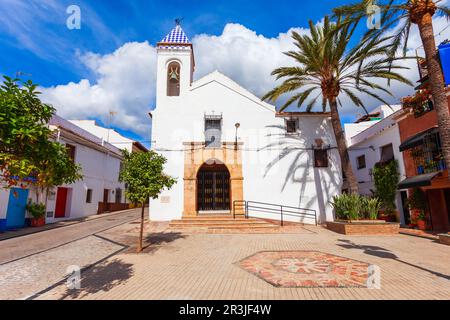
(421, 225)
(38, 222)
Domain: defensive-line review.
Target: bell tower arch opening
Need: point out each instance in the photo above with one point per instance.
(173, 79)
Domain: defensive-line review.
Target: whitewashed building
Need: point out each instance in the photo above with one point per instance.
(100, 163)
(110, 135)
(224, 144)
(372, 139)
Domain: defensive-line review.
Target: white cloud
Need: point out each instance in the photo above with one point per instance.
(126, 79)
(243, 55)
(125, 84)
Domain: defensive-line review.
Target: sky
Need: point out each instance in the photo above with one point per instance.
(110, 63)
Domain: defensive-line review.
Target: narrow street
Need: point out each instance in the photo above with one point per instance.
(32, 262)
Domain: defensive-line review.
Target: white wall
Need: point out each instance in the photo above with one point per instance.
(4, 199)
(100, 171)
(369, 143)
(291, 181)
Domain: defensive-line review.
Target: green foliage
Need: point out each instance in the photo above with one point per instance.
(355, 207)
(23, 120)
(144, 176)
(421, 216)
(327, 67)
(417, 200)
(26, 150)
(347, 206)
(37, 210)
(373, 206)
(397, 18)
(386, 179)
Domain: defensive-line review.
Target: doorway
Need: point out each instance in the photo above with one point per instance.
(447, 203)
(61, 202)
(15, 214)
(406, 214)
(213, 188)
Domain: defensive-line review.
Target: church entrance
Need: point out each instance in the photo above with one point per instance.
(213, 188)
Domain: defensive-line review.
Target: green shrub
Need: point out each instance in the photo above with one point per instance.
(347, 206)
(386, 178)
(355, 207)
(37, 210)
(417, 200)
(373, 206)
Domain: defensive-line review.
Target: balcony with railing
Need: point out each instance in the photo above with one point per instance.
(420, 103)
(428, 156)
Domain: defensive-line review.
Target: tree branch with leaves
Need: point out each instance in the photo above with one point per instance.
(145, 179)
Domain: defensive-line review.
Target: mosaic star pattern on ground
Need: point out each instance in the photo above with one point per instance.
(311, 269)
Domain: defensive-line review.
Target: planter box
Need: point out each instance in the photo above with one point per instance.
(364, 227)
(38, 222)
(444, 238)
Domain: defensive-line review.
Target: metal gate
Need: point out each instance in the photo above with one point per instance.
(213, 189)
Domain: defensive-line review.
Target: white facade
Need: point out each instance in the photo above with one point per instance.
(108, 135)
(100, 163)
(366, 139)
(277, 167)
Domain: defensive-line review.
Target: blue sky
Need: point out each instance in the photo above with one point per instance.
(122, 21)
(73, 66)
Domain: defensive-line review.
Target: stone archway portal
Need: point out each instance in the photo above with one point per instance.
(213, 188)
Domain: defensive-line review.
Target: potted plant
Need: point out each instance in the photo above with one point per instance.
(422, 221)
(441, 161)
(37, 212)
(431, 166)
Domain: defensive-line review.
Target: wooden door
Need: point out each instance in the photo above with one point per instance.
(61, 203)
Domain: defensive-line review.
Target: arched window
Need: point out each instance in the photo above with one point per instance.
(173, 79)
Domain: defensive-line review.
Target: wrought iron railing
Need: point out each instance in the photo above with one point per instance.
(283, 211)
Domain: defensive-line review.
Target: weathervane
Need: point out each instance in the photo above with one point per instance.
(178, 21)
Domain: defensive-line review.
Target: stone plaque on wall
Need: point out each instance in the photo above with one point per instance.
(165, 199)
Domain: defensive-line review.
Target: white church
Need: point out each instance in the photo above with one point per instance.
(224, 145)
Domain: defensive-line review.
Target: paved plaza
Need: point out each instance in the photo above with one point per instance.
(320, 265)
(301, 263)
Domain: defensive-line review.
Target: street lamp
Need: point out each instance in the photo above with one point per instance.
(237, 125)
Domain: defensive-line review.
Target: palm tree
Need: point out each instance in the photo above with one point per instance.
(402, 14)
(329, 69)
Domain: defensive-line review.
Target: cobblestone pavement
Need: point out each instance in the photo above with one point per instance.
(19, 247)
(34, 262)
(207, 266)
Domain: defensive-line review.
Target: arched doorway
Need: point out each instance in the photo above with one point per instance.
(213, 187)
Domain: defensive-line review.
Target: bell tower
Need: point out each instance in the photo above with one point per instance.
(175, 66)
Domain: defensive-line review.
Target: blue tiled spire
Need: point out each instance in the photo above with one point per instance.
(176, 36)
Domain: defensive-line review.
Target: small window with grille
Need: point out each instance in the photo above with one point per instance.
(213, 131)
(291, 126)
(71, 151)
(361, 162)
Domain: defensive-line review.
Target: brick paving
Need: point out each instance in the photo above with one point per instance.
(206, 266)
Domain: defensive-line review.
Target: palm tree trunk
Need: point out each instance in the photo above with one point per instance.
(342, 146)
(437, 85)
(141, 232)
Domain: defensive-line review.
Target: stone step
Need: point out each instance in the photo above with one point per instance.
(222, 225)
(218, 221)
(228, 224)
(214, 217)
(225, 230)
